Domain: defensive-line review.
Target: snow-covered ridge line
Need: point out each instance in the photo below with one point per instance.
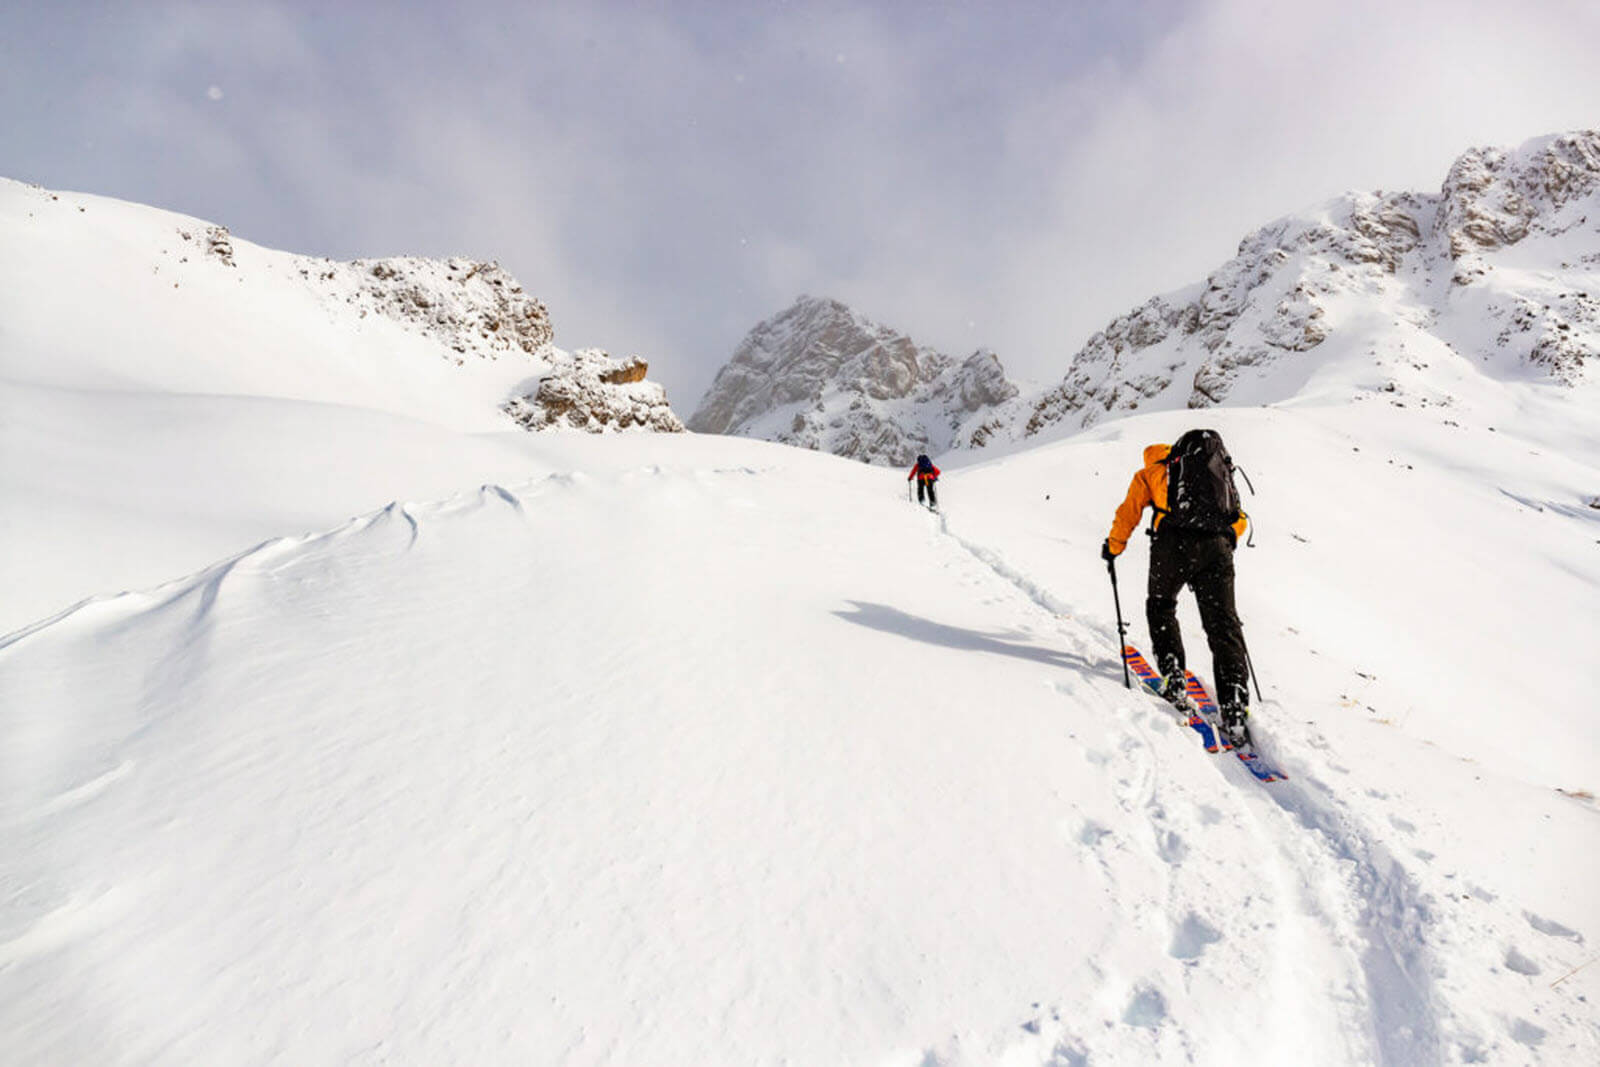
(1501, 267)
(212, 292)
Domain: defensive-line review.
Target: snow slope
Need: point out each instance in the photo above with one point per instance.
(170, 394)
(483, 779)
(683, 749)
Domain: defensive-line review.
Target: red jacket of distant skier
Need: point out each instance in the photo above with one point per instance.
(923, 475)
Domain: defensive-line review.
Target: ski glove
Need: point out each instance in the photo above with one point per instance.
(1105, 551)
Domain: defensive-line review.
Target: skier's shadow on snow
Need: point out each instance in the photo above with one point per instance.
(894, 621)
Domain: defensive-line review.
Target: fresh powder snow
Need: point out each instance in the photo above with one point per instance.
(342, 721)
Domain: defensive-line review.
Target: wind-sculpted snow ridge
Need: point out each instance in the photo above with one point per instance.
(1501, 268)
(822, 376)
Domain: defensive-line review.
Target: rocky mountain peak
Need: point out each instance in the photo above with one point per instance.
(1501, 268)
(1496, 197)
(821, 375)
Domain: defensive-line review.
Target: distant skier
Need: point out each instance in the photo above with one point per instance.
(1195, 526)
(926, 475)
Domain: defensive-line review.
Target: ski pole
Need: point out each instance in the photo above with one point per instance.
(1122, 627)
(1250, 665)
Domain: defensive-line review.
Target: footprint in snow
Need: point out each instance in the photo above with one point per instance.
(1172, 847)
(1190, 939)
(1516, 961)
(1525, 1033)
(1551, 928)
(1147, 1008)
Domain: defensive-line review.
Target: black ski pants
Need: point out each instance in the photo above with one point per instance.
(1204, 562)
(933, 501)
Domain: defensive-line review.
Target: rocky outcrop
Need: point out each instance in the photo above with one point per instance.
(1494, 198)
(471, 307)
(1431, 262)
(588, 390)
(476, 310)
(819, 375)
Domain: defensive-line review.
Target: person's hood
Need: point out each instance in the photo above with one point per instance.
(1154, 454)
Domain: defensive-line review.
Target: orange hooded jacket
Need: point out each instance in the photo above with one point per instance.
(1149, 489)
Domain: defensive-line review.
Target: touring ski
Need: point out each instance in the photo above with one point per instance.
(1246, 752)
(1152, 682)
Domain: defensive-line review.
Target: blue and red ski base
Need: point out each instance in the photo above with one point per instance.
(1152, 681)
(1203, 722)
(1247, 754)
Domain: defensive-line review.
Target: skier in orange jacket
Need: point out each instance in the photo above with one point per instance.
(926, 474)
(1201, 558)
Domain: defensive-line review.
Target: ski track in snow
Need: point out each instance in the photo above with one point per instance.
(1331, 882)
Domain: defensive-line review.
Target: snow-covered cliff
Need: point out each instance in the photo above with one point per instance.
(1500, 270)
(820, 375)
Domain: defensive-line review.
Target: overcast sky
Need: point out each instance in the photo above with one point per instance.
(664, 175)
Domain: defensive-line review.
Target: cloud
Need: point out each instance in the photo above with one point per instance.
(666, 175)
(1239, 112)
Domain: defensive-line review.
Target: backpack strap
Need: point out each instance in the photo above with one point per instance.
(1156, 510)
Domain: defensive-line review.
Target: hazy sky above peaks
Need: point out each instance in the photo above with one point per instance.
(664, 175)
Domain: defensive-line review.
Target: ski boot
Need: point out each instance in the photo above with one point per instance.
(1235, 722)
(1175, 691)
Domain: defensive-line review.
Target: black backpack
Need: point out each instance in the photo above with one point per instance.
(1201, 495)
(924, 465)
